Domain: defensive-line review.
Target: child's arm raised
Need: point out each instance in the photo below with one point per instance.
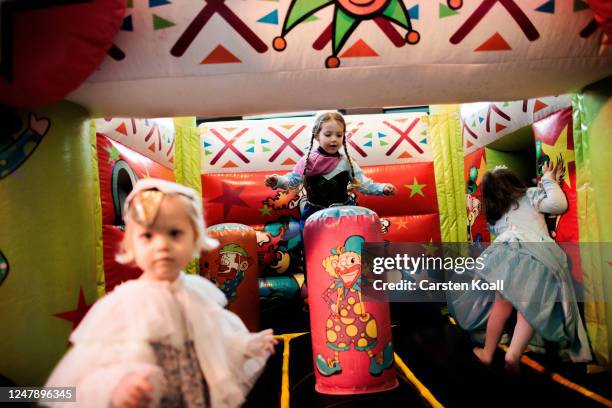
(553, 201)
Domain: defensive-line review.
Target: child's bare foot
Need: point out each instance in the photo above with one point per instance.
(480, 355)
(512, 365)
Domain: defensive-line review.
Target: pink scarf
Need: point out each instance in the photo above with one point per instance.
(318, 163)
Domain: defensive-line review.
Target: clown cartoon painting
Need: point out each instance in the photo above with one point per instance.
(232, 263)
(349, 324)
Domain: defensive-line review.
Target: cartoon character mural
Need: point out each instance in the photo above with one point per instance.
(232, 263)
(349, 323)
(16, 148)
(348, 14)
(281, 239)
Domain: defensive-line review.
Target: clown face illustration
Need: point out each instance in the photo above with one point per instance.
(232, 263)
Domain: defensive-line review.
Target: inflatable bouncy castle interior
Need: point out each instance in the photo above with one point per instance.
(216, 95)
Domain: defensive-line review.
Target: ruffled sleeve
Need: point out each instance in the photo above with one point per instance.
(293, 179)
(549, 198)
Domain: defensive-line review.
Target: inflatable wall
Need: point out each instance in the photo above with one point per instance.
(236, 156)
(128, 150)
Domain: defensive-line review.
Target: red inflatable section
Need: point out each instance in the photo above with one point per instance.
(475, 165)
(410, 216)
(555, 133)
(119, 168)
(351, 338)
(49, 49)
(233, 268)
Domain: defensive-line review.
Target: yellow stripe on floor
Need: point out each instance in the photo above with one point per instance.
(285, 394)
(425, 393)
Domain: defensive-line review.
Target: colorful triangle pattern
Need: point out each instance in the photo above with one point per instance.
(548, 7)
(499, 127)
(359, 49)
(495, 43)
(580, 5)
(160, 23)
(229, 164)
(220, 55)
(445, 11)
(156, 3)
(538, 106)
(127, 24)
(288, 162)
(404, 155)
(413, 13)
(271, 18)
(121, 129)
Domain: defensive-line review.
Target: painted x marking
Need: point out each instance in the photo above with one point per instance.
(229, 144)
(287, 142)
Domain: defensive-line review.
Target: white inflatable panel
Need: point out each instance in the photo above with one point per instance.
(217, 57)
(153, 138)
(275, 145)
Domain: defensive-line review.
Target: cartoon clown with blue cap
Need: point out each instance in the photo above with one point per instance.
(349, 323)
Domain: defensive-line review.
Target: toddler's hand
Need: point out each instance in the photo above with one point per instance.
(552, 172)
(260, 343)
(389, 189)
(133, 391)
(271, 180)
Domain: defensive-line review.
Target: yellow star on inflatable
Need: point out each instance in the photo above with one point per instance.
(416, 188)
(560, 148)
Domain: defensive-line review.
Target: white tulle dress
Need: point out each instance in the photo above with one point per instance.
(177, 333)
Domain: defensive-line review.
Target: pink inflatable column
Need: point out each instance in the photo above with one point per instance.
(351, 339)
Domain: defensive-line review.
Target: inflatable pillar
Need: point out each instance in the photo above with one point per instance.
(233, 268)
(351, 339)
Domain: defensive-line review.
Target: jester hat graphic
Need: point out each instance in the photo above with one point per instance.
(348, 14)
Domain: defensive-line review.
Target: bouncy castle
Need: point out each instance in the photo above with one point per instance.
(217, 94)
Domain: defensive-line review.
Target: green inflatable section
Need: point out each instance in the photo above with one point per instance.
(48, 237)
(593, 147)
(515, 151)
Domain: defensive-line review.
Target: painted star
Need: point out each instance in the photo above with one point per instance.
(230, 197)
(113, 154)
(75, 316)
(416, 188)
(265, 210)
(560, 149)
(402, 224)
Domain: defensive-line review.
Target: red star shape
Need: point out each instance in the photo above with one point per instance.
(230, 197)
(75, 316)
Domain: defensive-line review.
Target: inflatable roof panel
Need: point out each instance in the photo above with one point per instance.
(233, 57)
